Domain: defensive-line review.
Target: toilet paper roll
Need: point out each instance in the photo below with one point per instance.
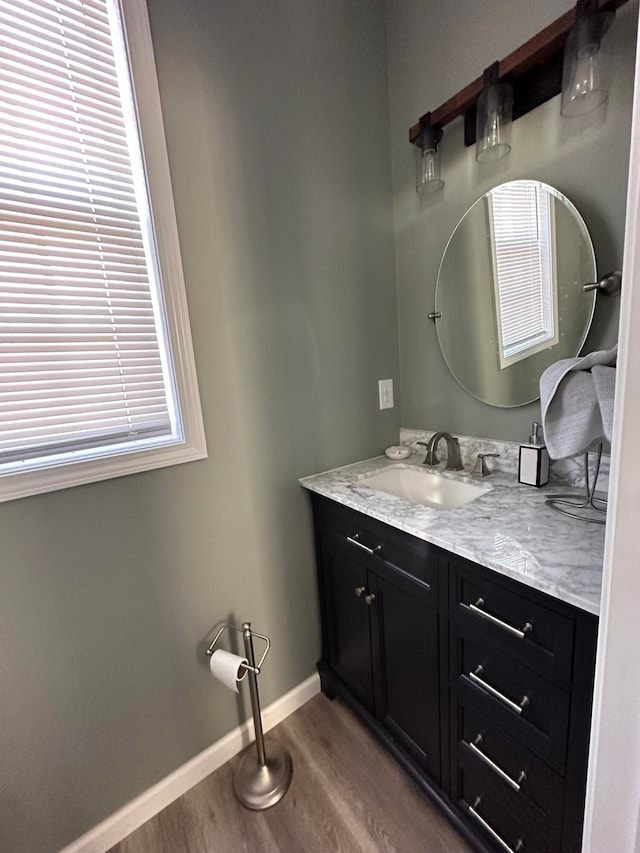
(227, 668)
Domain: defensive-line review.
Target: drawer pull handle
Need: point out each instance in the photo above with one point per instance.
(354, 541)
(474, 747)
(475, 677)
(483, 823)
(518, 632)
(369, 598)
(359, 590)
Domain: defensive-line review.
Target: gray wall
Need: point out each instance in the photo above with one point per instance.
(276, 116)
(435, 50)
(277, 125)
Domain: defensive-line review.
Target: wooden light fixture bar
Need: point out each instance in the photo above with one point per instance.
(535, 69)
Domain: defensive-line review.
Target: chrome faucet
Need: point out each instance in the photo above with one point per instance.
(454, 462)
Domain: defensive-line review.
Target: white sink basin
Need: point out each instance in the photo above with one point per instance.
(425, 487)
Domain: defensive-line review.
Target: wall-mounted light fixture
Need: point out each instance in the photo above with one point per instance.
(535, 71)
(493, 117)
(428, 164)
(585, 83)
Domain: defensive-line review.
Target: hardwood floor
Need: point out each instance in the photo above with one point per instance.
(347, 796)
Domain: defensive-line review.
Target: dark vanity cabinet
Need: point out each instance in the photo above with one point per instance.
(521, 681)
(480, 685)
(381, 625)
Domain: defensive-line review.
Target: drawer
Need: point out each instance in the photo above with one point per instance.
(523, 779)
(381, 546)
(530, 709)
(533, 634)
(504, 828)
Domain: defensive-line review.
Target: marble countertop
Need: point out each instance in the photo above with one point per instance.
(508, 528)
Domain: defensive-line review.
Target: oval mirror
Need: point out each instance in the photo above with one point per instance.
(510, 291)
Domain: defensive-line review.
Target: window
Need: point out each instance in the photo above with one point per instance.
(97, 378)
(522, 229)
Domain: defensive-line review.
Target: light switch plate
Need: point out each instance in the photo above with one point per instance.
(385, 393)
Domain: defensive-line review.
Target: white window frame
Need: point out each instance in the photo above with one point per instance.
(192, 446)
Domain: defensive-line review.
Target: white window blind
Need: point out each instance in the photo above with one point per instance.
(524, 274)
(85, 363)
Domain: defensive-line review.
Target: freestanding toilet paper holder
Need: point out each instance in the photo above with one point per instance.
(264, 783)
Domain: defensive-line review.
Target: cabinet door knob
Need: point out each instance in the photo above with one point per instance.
(369, 598)
(359, 590)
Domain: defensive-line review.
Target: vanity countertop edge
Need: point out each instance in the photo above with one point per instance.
(507, 529)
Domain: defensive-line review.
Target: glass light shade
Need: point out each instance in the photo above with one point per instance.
(585, 77)
(493, 122)
(428, 162)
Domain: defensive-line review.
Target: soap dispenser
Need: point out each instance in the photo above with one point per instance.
(533, 468)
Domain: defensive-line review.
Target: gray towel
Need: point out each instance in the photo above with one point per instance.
(576, 399)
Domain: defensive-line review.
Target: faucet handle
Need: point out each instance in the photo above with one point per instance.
(480, 469)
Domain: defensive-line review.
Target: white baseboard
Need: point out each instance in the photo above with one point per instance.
(138, 811)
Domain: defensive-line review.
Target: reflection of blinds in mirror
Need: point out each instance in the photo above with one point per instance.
(522, 244)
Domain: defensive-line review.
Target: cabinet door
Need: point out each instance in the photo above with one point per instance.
(405, 631)
(349, 638)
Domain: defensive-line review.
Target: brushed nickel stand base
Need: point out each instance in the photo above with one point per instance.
(261, 786)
